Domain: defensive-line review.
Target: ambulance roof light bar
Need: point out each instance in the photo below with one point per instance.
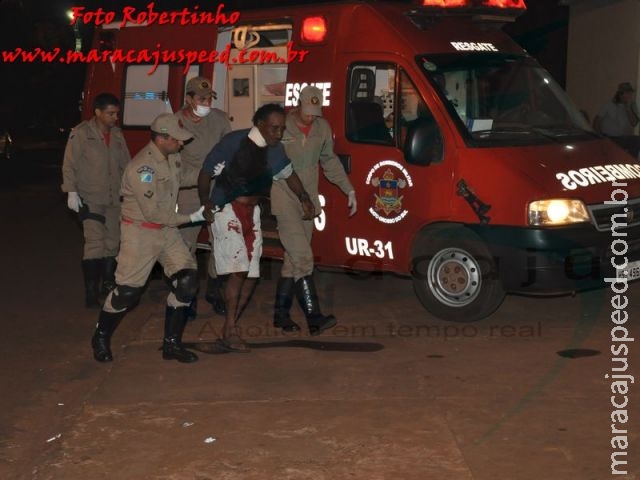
(491, 12)
(444, 3)
(506, 4)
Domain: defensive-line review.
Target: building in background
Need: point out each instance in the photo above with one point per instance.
(603, 50)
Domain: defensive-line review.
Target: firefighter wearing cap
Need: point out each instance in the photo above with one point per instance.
(208, 125)
(619, 117)
(149, 233)
(94, 159)
(308, 142)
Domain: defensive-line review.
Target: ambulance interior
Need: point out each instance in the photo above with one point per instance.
(504, 98)
(370, 105)
(247, 87)
(372, 114)
(145, 96)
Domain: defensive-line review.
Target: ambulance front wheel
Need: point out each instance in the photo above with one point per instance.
(455, 277)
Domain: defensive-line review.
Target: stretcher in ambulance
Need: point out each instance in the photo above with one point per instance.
(474, 172)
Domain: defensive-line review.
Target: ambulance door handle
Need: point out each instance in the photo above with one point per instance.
(345, 160)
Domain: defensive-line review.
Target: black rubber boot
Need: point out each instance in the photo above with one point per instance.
(109, 265)
(91, 270)
(192, 310)
(282, 306)
(213, 295)
(172, 348)
(101, 340)
(308, 299)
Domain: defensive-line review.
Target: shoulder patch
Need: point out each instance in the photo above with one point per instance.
(146, 177)
(146, 174)
(145, 169)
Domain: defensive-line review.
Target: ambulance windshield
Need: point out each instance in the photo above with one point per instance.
(504, 99)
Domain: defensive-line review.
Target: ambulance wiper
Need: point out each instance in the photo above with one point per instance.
(567, 130)
(545, 133)
(511, 130)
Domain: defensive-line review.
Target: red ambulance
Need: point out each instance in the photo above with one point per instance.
(474, 172)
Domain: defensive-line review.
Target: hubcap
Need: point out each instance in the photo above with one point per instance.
(454, 277)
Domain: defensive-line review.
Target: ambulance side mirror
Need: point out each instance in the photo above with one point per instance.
(423, 144)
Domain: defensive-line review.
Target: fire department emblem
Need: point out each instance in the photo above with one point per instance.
(388, 198)
(390, 180)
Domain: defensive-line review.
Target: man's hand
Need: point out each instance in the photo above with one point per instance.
(352, 203)
(208, 211)
(197, 216)
(74, 202)
(308, 207)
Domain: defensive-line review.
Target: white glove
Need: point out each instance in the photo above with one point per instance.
(352, 203)
(197, 216)
(74, 202)
(217, 169)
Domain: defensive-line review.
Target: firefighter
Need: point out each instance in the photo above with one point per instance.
(208, 125)
(94, 160)
(245, 162)
(149, 234)
(308, 142)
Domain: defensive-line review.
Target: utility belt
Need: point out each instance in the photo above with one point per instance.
(153, 226)
(192, 187)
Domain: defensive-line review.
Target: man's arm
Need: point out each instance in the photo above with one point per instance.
(294, 183)
(125, 158)
(597, 124)
(632, 113)
(211, 167)
(334, 171)
(145, 192)
(283, 170)
(71, 153)
(331, 165)
(204, 184)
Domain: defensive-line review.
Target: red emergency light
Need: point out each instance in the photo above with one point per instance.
(314, 29)
(504, 4)
(517, 4)
(445, 3)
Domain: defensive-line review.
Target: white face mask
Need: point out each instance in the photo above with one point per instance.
(202, 110)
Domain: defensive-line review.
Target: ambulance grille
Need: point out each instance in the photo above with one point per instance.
(602, 215)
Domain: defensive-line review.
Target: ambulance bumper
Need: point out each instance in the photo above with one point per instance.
(557, 260)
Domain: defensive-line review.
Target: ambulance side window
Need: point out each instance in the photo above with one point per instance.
(370, 103)
(145, 96)
(419, 136)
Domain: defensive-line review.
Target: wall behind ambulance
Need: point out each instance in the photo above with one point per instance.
(603, 50)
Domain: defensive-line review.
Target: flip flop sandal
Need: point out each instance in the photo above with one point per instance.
(233, 344)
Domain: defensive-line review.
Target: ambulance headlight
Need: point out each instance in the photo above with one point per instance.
(557, 212)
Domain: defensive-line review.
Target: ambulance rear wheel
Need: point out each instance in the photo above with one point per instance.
(455, 277)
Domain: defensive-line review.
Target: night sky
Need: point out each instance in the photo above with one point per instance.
(49, 93)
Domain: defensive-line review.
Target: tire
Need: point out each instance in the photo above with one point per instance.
(454, 275)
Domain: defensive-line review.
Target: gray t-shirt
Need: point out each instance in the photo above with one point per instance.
(614, 121)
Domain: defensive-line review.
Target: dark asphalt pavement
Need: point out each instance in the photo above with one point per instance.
(389, 393)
